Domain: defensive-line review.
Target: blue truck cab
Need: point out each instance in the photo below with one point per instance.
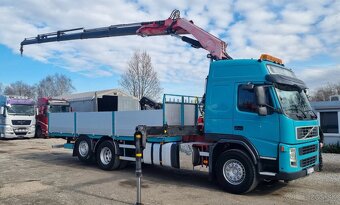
(260, 107)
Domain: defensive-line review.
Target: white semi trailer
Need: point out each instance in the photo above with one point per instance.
(17, 117)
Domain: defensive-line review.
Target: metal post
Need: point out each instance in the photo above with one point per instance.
(139, 149)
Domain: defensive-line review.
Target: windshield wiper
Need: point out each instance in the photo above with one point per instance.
(314, 116)
(295, 107)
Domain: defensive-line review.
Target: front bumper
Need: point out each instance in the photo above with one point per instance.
(294, 175)
(14, 136)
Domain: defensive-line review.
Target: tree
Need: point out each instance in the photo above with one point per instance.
(324, 93)
(54, 85)
(140, 79)
(20, 88)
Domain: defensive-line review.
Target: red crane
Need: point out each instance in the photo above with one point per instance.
(174, 25)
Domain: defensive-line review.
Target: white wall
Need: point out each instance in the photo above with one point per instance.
(331, 138)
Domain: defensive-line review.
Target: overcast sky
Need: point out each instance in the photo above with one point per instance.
(304, 33)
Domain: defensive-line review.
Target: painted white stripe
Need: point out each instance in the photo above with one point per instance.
(127, 158)
(127, 146)
(42, 123)
(269, 158)
(204, 154)
(268, 173)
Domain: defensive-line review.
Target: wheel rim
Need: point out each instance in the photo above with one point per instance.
(105, 155)
(234, 172)
(83, 148)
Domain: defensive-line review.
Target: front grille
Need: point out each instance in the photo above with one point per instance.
(307, 162)
(307, 132)
(308, 149)
(21, 122)
(20, 133)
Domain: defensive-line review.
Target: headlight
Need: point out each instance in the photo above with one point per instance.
(8, 129)
(292, 153)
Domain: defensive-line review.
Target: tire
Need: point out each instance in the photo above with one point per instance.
(236, 172)
(106, 156)
(38, 133)
(123, 164)
(83, 148)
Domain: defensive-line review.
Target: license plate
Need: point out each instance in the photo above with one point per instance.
(310, 170)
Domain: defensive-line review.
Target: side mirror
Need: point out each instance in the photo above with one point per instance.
(262, 111)
(260, 93)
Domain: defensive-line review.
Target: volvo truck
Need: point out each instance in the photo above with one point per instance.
(255, 121)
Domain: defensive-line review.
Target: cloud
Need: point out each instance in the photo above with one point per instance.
(320, 76)
(290, 30)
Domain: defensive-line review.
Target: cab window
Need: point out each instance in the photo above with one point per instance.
(247, 100)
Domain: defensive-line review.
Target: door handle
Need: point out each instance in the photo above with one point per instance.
(238, 127)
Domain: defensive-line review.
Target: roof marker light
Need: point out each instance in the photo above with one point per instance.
(271, 58)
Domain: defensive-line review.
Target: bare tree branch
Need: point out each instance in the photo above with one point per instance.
(140, 79)
(324, 93)
(54, 85)
(20, 88)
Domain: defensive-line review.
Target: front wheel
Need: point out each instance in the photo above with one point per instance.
(235, 172)
(106, 156)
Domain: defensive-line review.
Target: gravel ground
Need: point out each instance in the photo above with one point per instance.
(31, 172)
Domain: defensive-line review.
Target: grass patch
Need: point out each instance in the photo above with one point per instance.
(331, 148)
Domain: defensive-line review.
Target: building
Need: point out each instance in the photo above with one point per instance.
(328, 113)
(101, 100)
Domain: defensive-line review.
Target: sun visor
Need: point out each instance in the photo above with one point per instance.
(286, 80)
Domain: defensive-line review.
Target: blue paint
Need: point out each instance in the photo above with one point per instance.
(75, 124)
(126, 138)
(113, 123)
(266, 133)
(68, 145)
(284, 163)
(164, 101)
(182, 111)
(164, 139)
(56, 134)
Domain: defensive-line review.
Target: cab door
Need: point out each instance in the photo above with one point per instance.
(261, 131)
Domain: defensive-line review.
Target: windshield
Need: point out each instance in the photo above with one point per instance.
(280, 70)
(59, 108)
(20, 110)
(294, 103)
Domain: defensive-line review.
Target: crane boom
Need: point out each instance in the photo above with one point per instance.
(174, 26)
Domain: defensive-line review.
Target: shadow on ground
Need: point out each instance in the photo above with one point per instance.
(154, 174)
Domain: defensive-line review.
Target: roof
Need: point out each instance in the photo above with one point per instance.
(325, 105)
(91, 95)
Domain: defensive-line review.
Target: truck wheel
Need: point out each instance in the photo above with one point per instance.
(123, 164)
(83, 149)
(106, 156)
(235, 172)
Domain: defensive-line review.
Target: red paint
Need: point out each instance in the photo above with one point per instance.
(44, 105)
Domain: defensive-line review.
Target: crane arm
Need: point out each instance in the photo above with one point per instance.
(174, 25)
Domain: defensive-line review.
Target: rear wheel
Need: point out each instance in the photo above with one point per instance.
(83, 149)
(106, 156)
(235, 172)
